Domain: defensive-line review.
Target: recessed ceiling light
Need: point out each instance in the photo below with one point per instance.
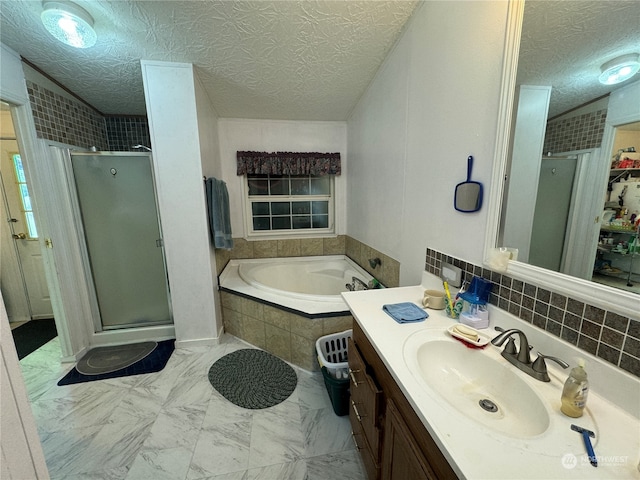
(619, 69)
(69, 23)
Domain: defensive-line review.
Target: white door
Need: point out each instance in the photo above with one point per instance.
(27, 272)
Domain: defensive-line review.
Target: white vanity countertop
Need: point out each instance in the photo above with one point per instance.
(477, 452)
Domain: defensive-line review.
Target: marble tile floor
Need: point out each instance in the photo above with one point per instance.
(173, 425)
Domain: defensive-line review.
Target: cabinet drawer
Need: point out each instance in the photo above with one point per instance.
(366, 399)
(371, 462)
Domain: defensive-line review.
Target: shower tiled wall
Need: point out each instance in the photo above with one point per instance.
(63, 120)
(612, 337)
(575, 133)
(125, 132)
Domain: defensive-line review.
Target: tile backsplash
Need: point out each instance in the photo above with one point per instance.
(608, 335)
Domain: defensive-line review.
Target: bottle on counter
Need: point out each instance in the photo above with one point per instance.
(575, 391)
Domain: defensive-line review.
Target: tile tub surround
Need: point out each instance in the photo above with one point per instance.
(610, 336)
(388, 272)
(287, 335)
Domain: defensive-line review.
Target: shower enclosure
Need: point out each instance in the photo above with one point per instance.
(553, 206)
(122, 230)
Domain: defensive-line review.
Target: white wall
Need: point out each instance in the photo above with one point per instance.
(21, 454)
(433, 103)
(624, 105)
(178, 113)
(278, 136)
(526, 160)
(211, 167)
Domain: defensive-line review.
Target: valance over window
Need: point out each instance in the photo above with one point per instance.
(288, 163)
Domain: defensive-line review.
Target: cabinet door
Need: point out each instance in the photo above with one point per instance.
(365, 399)
(364, 411)
(402, 458)
(371, 464)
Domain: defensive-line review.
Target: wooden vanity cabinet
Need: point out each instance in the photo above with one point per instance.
(402, 457)
(364, 411)
(392, 440)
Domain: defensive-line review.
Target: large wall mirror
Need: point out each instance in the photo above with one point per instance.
(560, 46)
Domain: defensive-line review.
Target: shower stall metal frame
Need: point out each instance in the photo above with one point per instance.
(79, 227)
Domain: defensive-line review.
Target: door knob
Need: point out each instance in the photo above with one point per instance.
(19, 236)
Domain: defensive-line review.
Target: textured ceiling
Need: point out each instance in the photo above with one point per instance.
(564, 43)
(300, 60)
(293, 60)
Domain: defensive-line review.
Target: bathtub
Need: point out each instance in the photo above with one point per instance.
(307, 285)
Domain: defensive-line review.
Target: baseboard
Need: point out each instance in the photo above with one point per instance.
(200, 342)
(74, 358)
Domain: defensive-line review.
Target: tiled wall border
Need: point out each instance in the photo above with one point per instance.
(606, 334)
(575, 133)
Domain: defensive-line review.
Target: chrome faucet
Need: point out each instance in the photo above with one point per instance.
(356, 284)
(521, 359)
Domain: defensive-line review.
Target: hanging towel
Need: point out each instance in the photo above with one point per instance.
(219, 213)
(405, 312)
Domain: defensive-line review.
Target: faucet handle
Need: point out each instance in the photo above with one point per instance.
(510, 347)
(540, 366)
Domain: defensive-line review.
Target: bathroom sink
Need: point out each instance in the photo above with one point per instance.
(478, 383)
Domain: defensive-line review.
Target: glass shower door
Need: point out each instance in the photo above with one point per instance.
(120, 219)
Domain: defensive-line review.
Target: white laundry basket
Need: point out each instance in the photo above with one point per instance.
(332, 353)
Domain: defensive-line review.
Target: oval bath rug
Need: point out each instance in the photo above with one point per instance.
(103, 360)
(253, 378)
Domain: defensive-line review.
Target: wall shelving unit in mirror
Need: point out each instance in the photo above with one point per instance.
(617, 262)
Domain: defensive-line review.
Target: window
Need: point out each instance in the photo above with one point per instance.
(289, 204)
(27, 210)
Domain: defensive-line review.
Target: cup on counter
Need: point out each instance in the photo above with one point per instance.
(434, 299)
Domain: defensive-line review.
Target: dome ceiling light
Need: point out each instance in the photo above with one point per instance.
(69, 23)
(619, 69)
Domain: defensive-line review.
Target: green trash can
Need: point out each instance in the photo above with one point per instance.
(332, 357)
(338, 390)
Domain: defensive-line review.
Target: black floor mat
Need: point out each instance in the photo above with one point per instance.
(154, 362)
(32, 335)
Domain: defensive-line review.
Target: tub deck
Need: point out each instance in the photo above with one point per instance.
(285, 326)
(311, 306)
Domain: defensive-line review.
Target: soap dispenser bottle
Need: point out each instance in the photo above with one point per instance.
(575, 391)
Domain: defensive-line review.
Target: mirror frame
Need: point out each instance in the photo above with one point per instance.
(598, 295)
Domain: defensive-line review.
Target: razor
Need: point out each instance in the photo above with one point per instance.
(586, 436)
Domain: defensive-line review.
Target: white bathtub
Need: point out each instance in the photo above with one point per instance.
(311, 285)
